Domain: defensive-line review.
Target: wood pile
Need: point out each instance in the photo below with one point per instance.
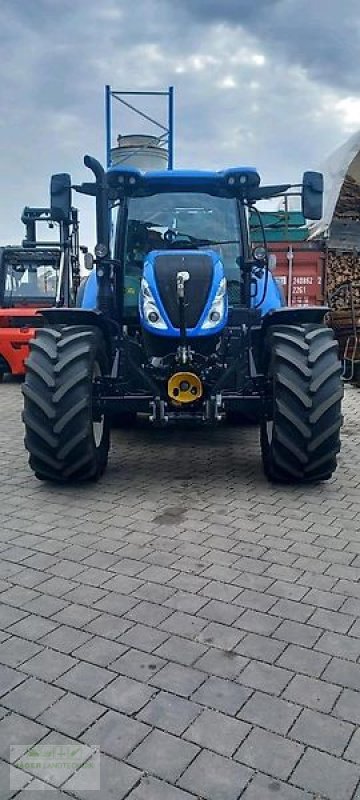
(348, 204)
(342, 267)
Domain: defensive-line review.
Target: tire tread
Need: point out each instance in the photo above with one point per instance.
(58, 405)
(305, 375)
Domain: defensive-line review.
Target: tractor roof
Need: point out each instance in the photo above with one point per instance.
(227, 183)
(241, 182)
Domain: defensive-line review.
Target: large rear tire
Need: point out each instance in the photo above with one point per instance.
(300, 438)
(64, 441)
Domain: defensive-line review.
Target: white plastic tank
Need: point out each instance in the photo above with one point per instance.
(143, 152)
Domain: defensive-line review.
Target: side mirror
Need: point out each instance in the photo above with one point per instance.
(312, 195)
(60, 197)
(88, 261)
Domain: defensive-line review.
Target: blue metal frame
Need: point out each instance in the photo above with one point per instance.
(108, 125)
(168, 132)
(171, 127)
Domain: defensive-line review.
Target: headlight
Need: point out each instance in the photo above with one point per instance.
(145, 289)
(217, 309)
(149, 308)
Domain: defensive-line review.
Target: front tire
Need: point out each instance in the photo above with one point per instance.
(64, 441)
(300, 438)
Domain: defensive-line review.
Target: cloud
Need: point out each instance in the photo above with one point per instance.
(264, 83)
(323, 36)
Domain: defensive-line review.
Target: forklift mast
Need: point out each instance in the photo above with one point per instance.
(63, 214)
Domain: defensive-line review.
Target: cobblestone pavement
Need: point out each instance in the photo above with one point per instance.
(196, 623)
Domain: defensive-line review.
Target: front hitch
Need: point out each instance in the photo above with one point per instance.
(181, 279)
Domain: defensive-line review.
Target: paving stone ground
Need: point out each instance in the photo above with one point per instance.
(196, 623)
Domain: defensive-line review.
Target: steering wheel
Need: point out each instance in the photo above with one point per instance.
(178, 240)
(170, 236)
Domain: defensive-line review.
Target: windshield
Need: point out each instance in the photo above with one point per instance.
(27, 281)
(180, 220)
(183, 219)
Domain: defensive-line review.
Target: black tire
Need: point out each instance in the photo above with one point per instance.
(2, 375)
(63, 442)
(300, 438)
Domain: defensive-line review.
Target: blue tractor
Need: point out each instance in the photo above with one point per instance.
(182, 320)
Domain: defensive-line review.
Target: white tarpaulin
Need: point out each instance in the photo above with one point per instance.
(343, 162)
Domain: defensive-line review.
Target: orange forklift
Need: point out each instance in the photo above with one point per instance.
(34, 276)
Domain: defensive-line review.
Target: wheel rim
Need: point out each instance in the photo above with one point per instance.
(98, 425)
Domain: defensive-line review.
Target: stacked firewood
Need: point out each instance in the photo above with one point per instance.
(344, 268)
(341, 268)
(348, 204)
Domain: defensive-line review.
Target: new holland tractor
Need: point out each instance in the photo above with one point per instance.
(181, 320)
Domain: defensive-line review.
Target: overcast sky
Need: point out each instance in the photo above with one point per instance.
(270, 83)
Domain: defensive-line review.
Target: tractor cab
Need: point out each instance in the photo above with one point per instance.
(182, 263)
(28, 284)
(178, 252)
(175, 221)
(28, 278)
(37, 275)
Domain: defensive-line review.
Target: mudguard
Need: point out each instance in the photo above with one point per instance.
(81, 317)
(89, 297)
(295, 315)
(267, 298)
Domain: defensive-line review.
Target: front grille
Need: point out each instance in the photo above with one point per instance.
(197, 288)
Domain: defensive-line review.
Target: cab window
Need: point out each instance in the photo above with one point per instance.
(187, 220)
